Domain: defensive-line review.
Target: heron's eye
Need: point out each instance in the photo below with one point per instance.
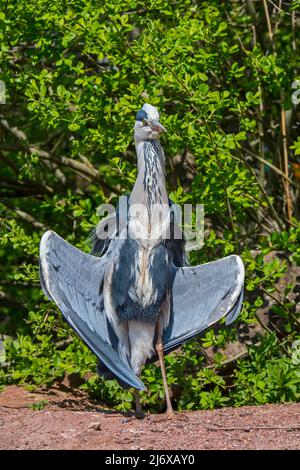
(145, 122)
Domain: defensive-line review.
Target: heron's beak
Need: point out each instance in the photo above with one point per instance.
(157, 126)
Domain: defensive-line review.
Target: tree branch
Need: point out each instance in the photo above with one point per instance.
(83, 168)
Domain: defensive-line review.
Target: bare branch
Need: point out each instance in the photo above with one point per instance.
(273, 167)
(27, 217)
(83, 168)
(288, 199)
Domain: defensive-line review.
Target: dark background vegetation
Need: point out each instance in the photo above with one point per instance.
(221, 74)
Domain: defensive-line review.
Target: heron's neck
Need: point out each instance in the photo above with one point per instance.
(151, 171)
(151, 159)
(146, 149)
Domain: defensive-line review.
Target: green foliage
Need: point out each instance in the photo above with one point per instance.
(75, 74)
(268, 376)
(38, 406)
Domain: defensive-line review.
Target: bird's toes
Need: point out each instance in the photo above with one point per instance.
(168, 416)
(129, 419)
(139, 415)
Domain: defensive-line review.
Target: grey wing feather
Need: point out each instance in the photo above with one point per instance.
(102, 235)
(108, 228)
(234, 313)
(201, 296)
(176, 244)
(74, 281)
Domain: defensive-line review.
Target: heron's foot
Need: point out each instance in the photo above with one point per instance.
(129, 419)
(170, 415)
(139, 414)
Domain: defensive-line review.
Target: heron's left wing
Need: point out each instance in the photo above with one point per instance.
(201, 296)
(74, 280)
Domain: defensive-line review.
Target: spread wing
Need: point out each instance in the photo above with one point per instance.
(201, 296)
(74, 281)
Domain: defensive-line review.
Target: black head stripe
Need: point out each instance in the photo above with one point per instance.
(141, 115)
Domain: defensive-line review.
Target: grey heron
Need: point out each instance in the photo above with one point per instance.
(132, 299)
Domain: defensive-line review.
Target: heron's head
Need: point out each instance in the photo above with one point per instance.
(147, 125)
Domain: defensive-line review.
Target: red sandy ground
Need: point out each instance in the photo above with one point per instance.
(71, 421)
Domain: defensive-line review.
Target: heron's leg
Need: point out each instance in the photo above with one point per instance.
(170, 413)
(160, 352)
(138, 407)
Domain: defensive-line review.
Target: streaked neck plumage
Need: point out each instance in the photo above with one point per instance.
(150, 186)
(150, 222)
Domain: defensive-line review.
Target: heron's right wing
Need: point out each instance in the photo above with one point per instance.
(201, 296)
(102, 235)
(74, 281)
(109, 227)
